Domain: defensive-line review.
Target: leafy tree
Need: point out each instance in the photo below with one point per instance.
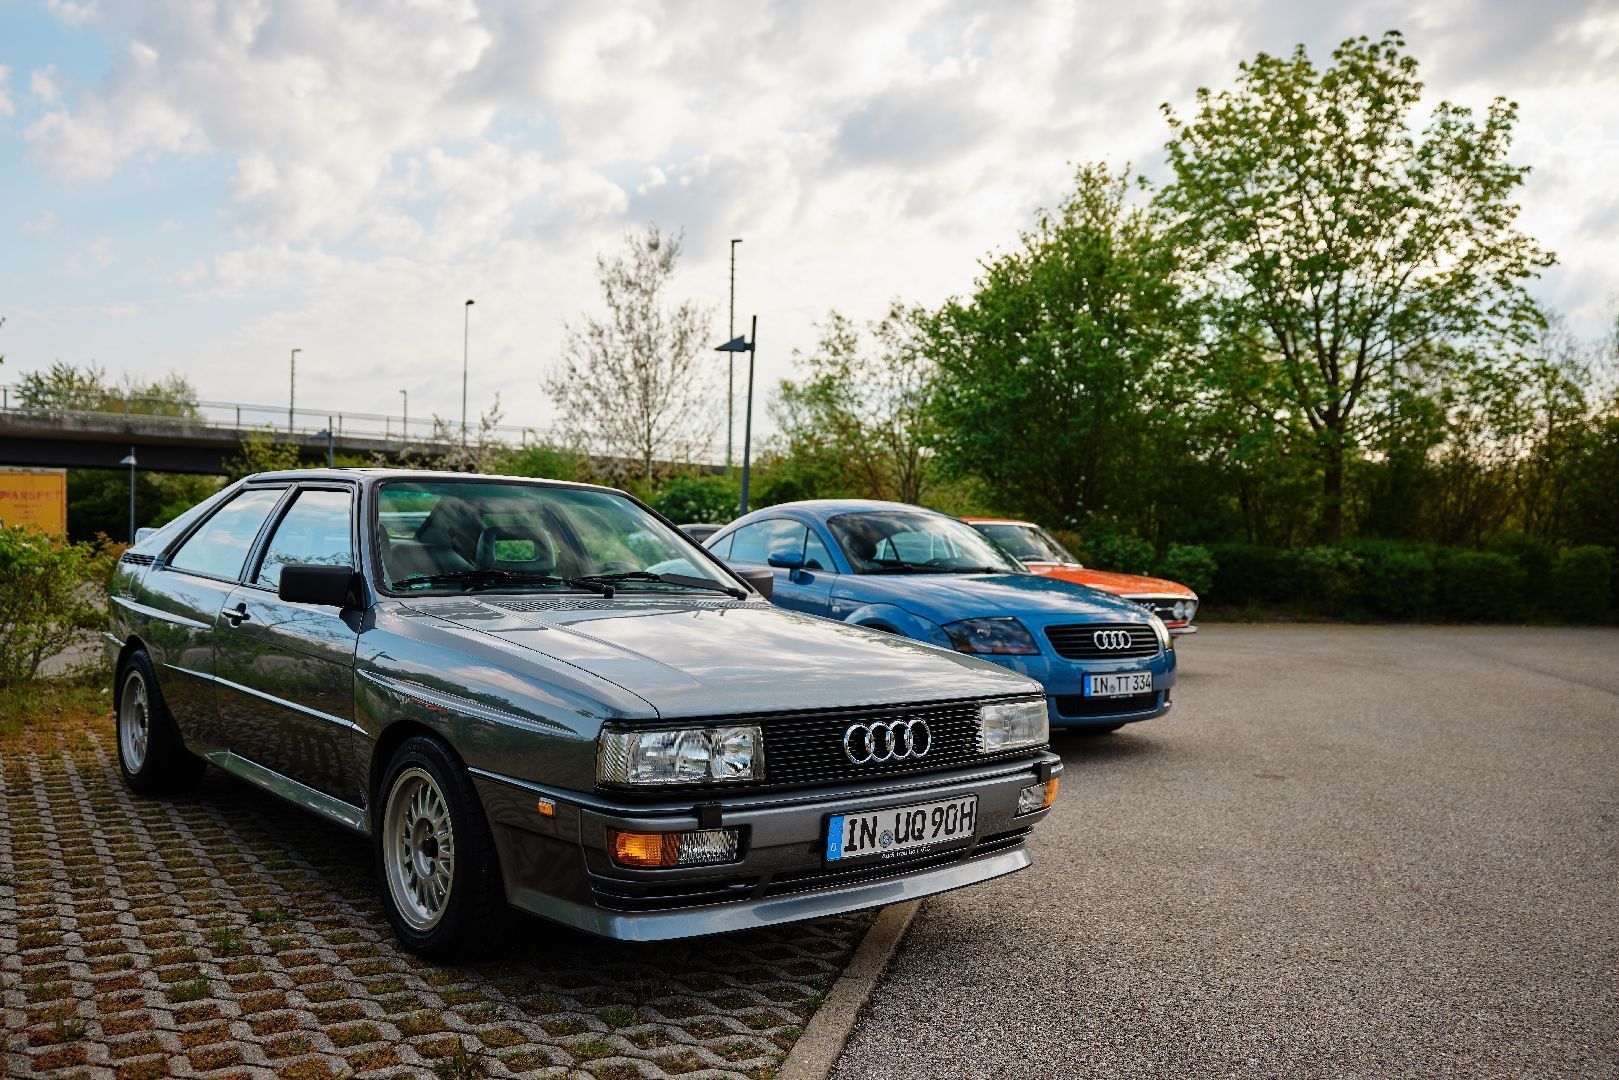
(260, 452)
(1057, 382)
(65, 386)
(864, 403)
(98, 499)
(636, 380)
(696, 497)
(1342, 250)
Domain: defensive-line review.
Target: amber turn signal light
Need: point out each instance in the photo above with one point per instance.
(1051, 791)
(645, 851)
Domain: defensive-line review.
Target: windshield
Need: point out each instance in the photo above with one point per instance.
(449, 536)
(909, 541)
(1028, 542)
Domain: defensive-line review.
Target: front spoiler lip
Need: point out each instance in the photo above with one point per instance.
(753, 914)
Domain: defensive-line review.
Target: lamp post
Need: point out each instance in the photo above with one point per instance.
(292, 386)
(404, 409)
(466, 331)
(129, 459)
(730, 363)
(747, 345)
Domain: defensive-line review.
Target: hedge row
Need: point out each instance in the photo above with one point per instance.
(1516, 578)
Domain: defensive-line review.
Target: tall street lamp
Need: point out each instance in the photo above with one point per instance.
(129, 459)
(404, 409)
(734, 346)
(730, 363)
(466, 331)
(292, 386)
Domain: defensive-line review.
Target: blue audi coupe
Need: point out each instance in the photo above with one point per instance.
(1104, 661)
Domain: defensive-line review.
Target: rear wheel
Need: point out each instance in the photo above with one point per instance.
(151, 754)
(441, 883)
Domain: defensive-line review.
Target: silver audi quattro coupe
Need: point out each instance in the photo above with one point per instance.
(543, 695)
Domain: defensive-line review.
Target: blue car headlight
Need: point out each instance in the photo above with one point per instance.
(1001, 636)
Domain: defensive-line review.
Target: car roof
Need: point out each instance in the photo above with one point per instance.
(822, 509)
(378, 475)
(1000, 521)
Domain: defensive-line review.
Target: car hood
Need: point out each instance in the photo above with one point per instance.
(948, 597)
(688, 657)
(1112, 582)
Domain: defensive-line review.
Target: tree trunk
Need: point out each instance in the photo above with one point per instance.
(1332, 491)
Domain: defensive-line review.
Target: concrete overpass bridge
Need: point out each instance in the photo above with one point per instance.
(199, 437)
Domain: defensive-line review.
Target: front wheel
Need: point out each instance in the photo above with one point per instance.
(151, 754)
(441, 883)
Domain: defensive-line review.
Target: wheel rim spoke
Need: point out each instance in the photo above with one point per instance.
(419, 848)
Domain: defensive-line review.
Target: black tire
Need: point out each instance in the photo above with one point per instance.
(151, 754)
(447, 924)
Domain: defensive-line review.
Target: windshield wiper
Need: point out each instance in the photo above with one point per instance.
(684, 580)
(481, 578)
(906, 568)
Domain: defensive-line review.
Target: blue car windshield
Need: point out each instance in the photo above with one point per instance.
(450, 536)
(916, 542)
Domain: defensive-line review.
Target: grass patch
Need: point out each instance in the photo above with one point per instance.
(52, 703)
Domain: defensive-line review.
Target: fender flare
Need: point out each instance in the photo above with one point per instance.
(895, 619)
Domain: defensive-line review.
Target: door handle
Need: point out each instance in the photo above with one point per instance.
(237, 615)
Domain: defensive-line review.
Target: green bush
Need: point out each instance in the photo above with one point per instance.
(1534, 557)
(694, 498)
(1110, 549)
(1190, 565)
(1247, 574)
(51, 592)
(544, 462)
(1396, 580)
(1582, 583)
(1322, 579)
(1480, 585)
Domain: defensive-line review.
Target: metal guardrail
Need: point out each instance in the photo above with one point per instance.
(248, 418)
(241, 419)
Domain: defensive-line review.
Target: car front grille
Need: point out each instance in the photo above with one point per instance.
(1163, 607)
(1079, 708)
(805, 749)
(1092, 641)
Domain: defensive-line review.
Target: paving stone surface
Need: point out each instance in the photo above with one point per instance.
(227, 934)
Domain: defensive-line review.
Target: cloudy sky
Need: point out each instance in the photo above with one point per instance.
(200, 186)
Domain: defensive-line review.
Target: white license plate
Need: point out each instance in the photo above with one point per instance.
(901, 830)
(1118, 684)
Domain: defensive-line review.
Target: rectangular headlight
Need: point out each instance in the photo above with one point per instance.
(1010, 725)
(680, 756)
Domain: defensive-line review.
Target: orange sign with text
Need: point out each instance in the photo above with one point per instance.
(36, 497)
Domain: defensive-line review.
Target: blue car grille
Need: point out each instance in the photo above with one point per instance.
(1094, 641)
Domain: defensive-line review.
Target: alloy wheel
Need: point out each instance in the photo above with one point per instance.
(134, 721)
(418, 848)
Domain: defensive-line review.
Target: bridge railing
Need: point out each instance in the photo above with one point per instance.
(245, 418)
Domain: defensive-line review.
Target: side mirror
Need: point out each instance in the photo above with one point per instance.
(143, 532)
(763, 581)
(787, 560)
(328, 586)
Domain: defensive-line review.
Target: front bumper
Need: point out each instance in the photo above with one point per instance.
(557, 866)
(1064, 682)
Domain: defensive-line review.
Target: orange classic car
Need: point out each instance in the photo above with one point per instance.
(1040, 552)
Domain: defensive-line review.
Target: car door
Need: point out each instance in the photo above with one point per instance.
(186, 592)
(286, 671)
(807, 590)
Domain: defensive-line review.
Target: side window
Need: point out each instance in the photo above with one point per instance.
(816, 557)
(220, 546)
(722, 549)
(314, 530)
(757, 542)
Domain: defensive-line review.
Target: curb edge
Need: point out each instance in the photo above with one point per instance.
(817, 1050)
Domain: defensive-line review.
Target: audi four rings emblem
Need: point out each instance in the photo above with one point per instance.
(1111, 639)
(887, 740)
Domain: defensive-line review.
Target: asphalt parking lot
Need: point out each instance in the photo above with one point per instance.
(1348, 851)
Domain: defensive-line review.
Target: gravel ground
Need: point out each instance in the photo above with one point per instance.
(227, 934)
(1348, 851)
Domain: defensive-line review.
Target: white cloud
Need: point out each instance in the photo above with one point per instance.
(42, 84)
(44, 223)
(386, 160)
(6, 107)
(72, 13)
